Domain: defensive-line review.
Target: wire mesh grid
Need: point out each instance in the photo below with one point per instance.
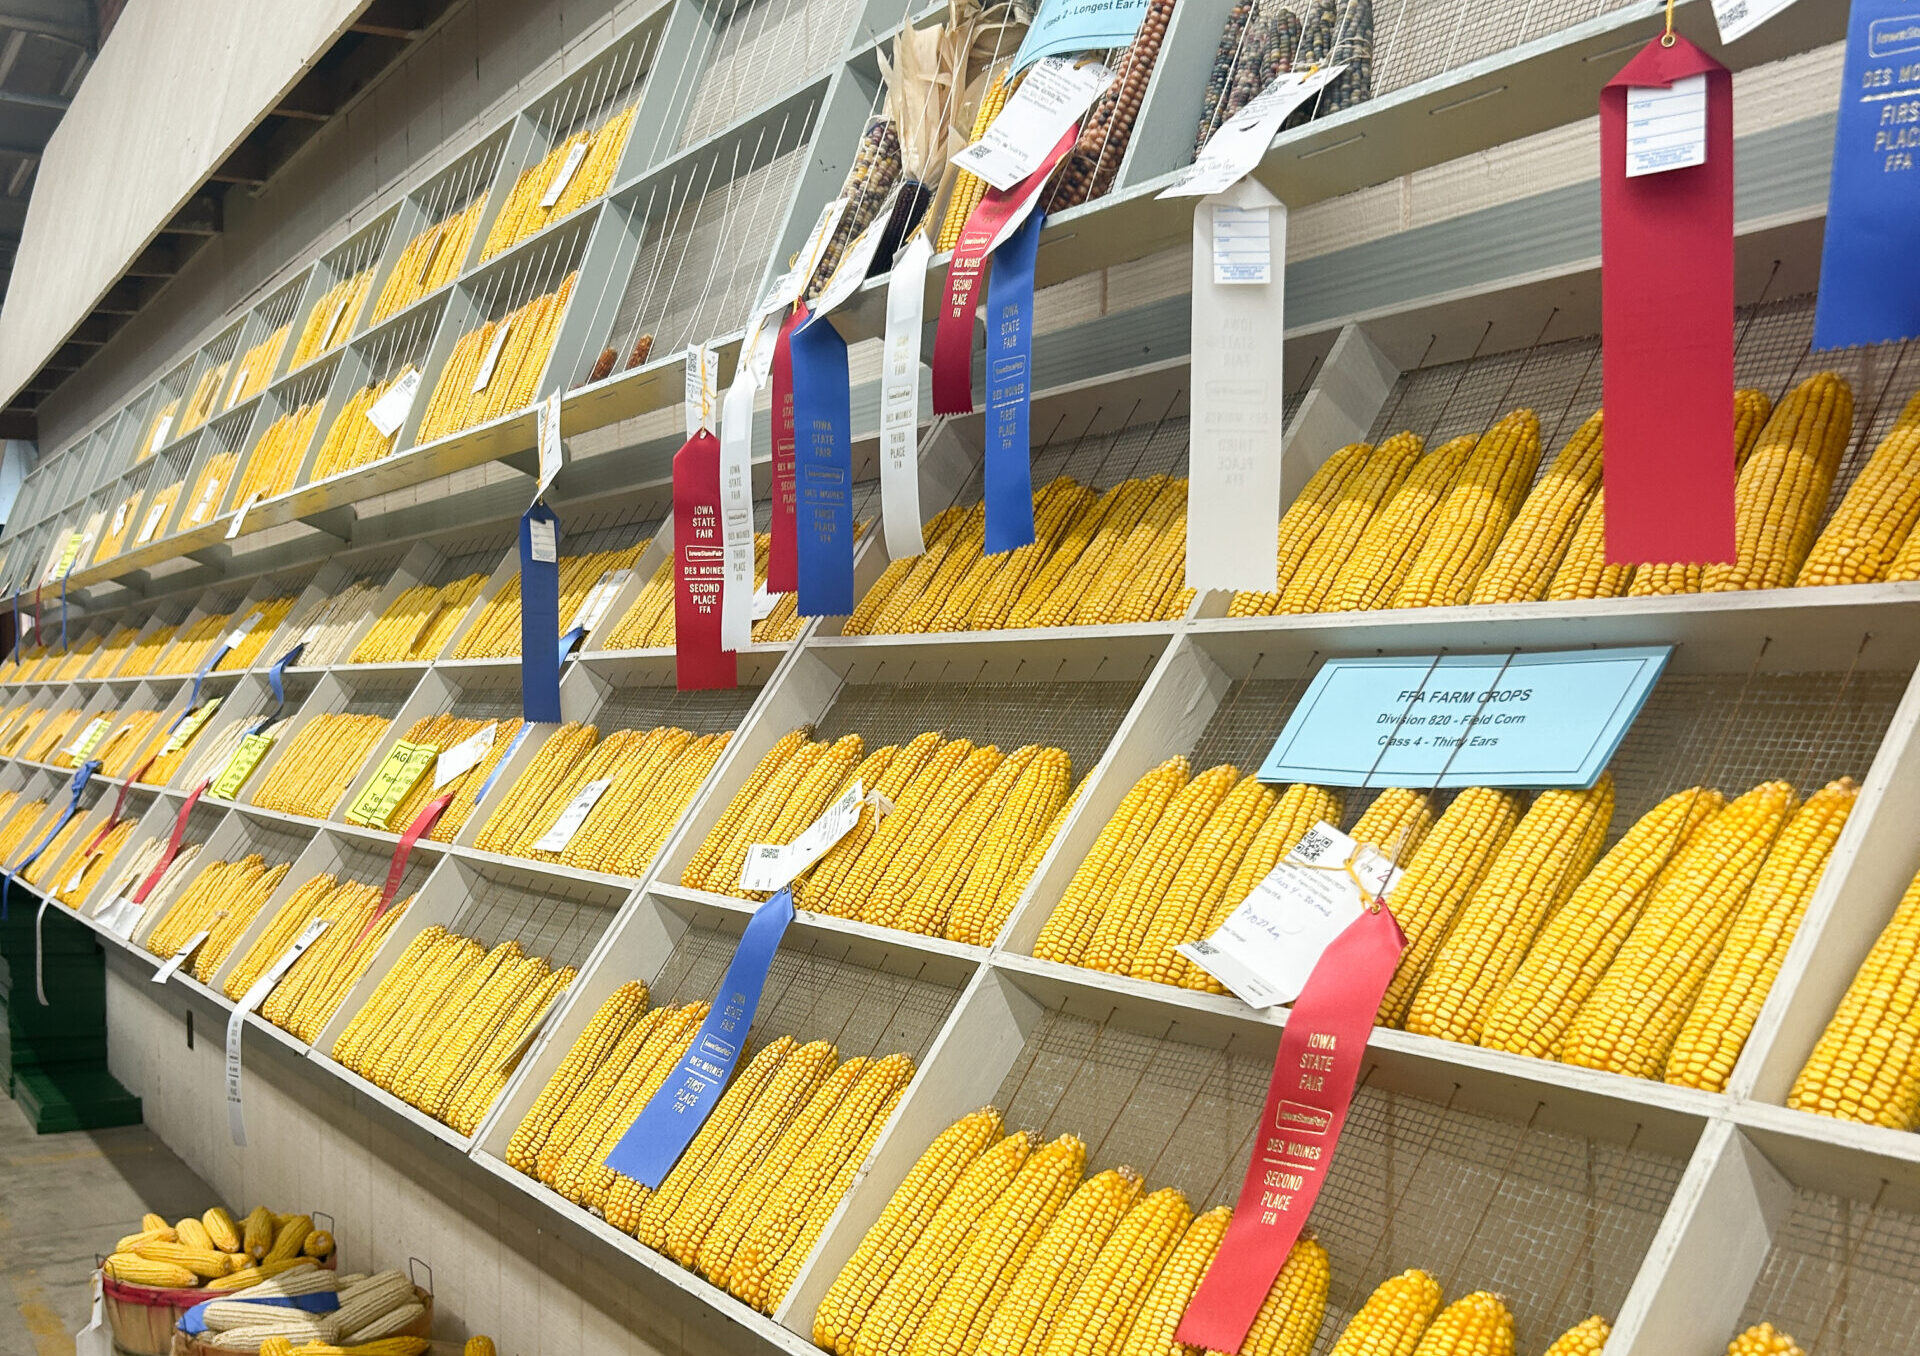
(560, 922)
(374, 694)
(719, 711)
(473, 553)
(275, 843)
(608, 85)
(402, 345)
(1843, 1277)
(533, 272)
(1417, 39)
(1078, 717)
(708, 231)
(1561, 383)
(454, 188)
(482, 694)
(818, 992)
(1557, 1224)
(759, 48)
(366, 865)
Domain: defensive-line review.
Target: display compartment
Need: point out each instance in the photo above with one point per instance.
(440, 566)
(1074, 700)
(163, 483)
(682, 257)
(1529, 1198)
(335, 694)
(741, 52)
(339, 606)
(155, 818)
(264, 343)
(161, 410)
(571, 144)
(436, 230)
(339, 291)
(208, 382)
(49, 869)
(245, 702)
(216, 465)
(349, 442)
(279, 442)
(613, 695)
(1728, 714)
(324, 854)
(868, 1002)
(560, 922)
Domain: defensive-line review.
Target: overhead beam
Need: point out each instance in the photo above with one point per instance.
(201, 216)
(21, 99)
(402, 19)
(249, 164)
(49, 19)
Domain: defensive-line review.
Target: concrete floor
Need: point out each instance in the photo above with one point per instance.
(63, 1199)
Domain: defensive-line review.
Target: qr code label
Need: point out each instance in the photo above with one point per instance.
(1315, 845)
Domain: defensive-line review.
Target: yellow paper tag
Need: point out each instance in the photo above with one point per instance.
(183, 733)
(245, 759)
(90, 737)
(405, 765)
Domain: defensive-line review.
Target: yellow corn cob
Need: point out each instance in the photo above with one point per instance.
(1296, 1304)
(908, 1212)
(1053, 1271)
(1763, 1339)
(1360, 500)
(1715, 1030)
(220, 1231)
(134, 1269)
(894, 1319)
(1585, 571)
(1630, 1021)
(1006, 1236)
(256, 1232)
(1302, 523)
(1750, 412)
(1534, 873)
(1782, 490)
(1533, 1011)
(1478, 1325)
(1096, 1321)
(1127, 913)
(1863, 1068)
(1531, 551)
(1441, 875)
(1394, 822)
(1472, 517)
(1586, 1338)
(1200, 886)
(1020, 826)
(1373, 572)
(1865, 534)
(1070, 928)
(968, 189)
(1166, 1301)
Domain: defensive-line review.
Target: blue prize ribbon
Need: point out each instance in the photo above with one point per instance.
(568, 641)
(79, 784)
(539, 621)
(1009, 459)
(823, 469)
(1869, 290)
(277, 681)
(518, 739)
(193, 698)
(674, 1114)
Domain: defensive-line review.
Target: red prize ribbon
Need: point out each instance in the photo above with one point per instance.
(966, 276)
(1313, 1080)
(173, 845)
(700, 567)
(422, 823)
(1666, 318)
(119, 804)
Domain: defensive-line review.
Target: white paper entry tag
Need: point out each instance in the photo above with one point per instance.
(233, 528)
(152, 524)
(1270, 943)
(856, 259)
(240, 632)
(120, 916)
(206, 501)
(703, 384)
(464, 755)
(1239, 144)
(599, 598)
(772, 865)
(1048, 102)
(160, 432)
(1242, 245)
(119, 521)
(1667, 128)
(787, 287)
(391, 410)
(550, 451)
(333, 321)
(556, 838)
(565, 176)
(1737, 18)
(485, 374)
(543, 541)
(900, 401)
(764, 602)
(171, 965)
(237, 1023)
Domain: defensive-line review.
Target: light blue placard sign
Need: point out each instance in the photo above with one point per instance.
(1068, 26)
(1527, 720)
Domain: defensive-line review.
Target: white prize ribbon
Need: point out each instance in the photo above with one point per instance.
(233, 528)
(1240, 142)
(769, 866)
(557, 837)
(900, 401)
(1238, 409)
(1267, 947)
(237, 1023)
(736, 503)
(1049, 101)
